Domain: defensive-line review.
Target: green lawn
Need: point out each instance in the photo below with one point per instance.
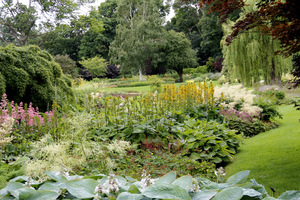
(274, 156)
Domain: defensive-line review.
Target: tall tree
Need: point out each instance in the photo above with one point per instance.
(18, 20)
(139, 35)
(200, 26)
(178, 53)
(96, 44)
(251, 54)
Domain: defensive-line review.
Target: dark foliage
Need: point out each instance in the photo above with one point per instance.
(85, 74)
(218, 65)
(113, 71)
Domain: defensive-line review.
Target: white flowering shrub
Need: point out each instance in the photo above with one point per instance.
(237, 94)
(5, 130)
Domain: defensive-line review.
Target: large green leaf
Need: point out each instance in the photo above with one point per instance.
(168, 178)
(232, 193)
(82, 189)
(251, 193)
(56, 176)
(290, 195)
(55, 187)
(238, 178)
(166, 191)
(203, 195)
(28, 194)
(184, 182)
(12, 187)
(127, 196)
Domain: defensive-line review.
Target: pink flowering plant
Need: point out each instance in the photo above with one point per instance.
(29, 123)
(248, 124)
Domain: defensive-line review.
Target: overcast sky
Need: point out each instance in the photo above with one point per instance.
(86, 8)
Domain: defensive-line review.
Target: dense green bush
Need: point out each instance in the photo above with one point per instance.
(67, 65)
(210, 141)
(29, 74)
(155, 83)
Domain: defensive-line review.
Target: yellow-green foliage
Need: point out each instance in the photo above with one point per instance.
(252, 54)
(28, 74)
(96, 66)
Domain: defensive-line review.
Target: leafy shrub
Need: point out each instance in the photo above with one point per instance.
(214, 76)
(198, 79)
(218, 66)
(269, 111)
(273, 93)
(155, 83)
(67, 65)
(63, 186)
(201, 69)
(113, 71)
(222, 80)
(210, 141)
(244, 123)
(96, 66)
(189, 70)
(168, 80)
(32, 75)
(210, 64)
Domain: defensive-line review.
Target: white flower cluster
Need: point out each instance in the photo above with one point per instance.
(220, 172)
(111, 185)
(5, 130)
(118, 146)
(96, 95)
(195, 186)
(238, 93)
(146, 180)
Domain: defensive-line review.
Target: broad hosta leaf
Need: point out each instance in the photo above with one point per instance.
(133, 189)
(239, 178)
(82, 189)
(166, 191)
(28, 194)
(184, 182)
(50, 186)
(168, 178)
(12, 187)
(203, 195)
(251, 193)
(56, 176)
(269, 198)
(127, 196)
(290, 195)
(233, 193)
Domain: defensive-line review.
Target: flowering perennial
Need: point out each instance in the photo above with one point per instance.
(30, 115)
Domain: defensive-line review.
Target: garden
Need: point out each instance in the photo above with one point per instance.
(122, 103)
(164, 141)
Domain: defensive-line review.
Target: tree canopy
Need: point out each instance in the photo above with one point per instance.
(18, 21)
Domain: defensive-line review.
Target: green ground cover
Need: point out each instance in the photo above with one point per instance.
(274, 156)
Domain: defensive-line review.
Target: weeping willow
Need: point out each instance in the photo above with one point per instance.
(251, 57)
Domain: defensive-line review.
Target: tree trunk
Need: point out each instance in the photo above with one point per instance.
(140, 74)
(180, 74)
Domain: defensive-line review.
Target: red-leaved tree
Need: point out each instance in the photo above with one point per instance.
(280, 19)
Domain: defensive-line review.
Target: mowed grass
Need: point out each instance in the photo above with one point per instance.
(89, 87)
(274, 156)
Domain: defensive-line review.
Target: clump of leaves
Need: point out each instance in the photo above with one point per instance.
(62, 186)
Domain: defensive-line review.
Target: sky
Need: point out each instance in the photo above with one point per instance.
(86, 8)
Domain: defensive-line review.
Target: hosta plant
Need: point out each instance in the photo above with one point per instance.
(63, 186)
